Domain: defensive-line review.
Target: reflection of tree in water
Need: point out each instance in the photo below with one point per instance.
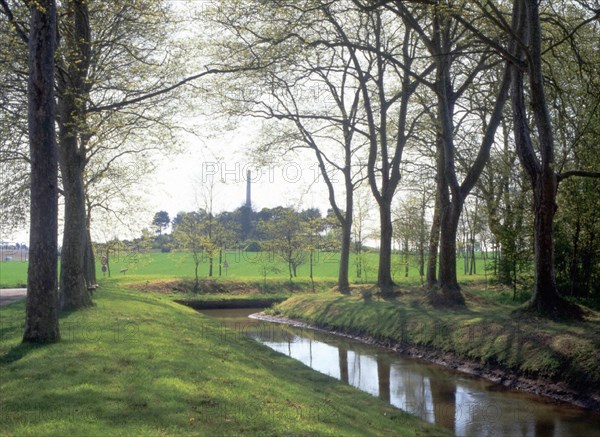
(412, 386)
(466, 409)
(383, 378)
(443, 397)
(543, 426)
(343, 355)
(356, 371)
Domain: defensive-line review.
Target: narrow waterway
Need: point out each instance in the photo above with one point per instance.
(467, 406)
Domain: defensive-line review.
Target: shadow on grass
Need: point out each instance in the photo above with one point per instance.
(18, 352)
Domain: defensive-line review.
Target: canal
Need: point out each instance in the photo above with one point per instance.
(465, 405)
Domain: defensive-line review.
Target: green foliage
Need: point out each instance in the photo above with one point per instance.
(573, 71)
(286, 236)
(578, 239)
(193, 234)
(161, 220)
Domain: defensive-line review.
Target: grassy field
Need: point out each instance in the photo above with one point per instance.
(487, 331)
(246, 266)
(13, 274)
(139, 364)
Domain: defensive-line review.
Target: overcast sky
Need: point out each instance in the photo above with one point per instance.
(181, 183)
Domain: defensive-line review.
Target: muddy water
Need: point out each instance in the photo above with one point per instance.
(467, 406)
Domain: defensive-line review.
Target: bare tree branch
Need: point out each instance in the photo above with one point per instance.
(182, 82)
(18, 27)
(580, 173)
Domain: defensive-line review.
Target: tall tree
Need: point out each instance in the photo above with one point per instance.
(410, 231)
(287, 237)
(360, 233)
(113, 56)
(446, 40)
(505, 194)
(541, 168)
(73, 93)
(386, 54)
(41, 321)
(161, 220)
(190, 233)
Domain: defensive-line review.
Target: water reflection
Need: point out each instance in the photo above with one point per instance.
(464, 405)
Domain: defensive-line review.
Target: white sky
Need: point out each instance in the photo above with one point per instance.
(181, 183)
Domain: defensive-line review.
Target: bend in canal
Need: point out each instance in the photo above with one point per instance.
(465, 405)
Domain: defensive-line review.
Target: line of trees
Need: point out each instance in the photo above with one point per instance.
(444, 80)
(102, 49)
(118, 71)
(284, 233)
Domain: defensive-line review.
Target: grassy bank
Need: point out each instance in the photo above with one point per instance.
(139, 364)
(486, 332)
(227, 293)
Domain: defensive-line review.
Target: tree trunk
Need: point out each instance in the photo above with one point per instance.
(196, 279)
(220, 260)
(344, 272)
(473, 268)
(422, 237)
(406, 256)
(73, 89)
(574, 267)
(434, 242)
(544, 181)
(384, 275)
(343, 359)
(383, 379)
(73, 288)
(41, 319)
(466, 254)
(312, 279)
(443, 398)
(421, 260)
(450, 206)
(545, 298)
(448, 281)
(90, 259)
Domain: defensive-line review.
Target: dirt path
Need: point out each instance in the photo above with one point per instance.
(11, 295)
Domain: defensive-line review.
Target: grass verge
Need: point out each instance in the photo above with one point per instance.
(140, 364)
(486, 332)
(227, 293)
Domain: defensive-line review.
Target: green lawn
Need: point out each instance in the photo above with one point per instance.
(139, 364)
(13, 274)
(241, 266)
